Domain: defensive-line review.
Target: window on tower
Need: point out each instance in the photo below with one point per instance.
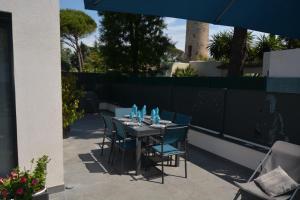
(190, 51)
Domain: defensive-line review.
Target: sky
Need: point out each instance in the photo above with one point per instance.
(175, 27)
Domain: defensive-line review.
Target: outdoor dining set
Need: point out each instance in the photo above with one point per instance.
(161, 135)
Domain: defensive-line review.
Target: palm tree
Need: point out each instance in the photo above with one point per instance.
(238, 52)
(219, 45)
(268, 43)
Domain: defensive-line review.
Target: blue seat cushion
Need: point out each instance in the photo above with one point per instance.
(167, 150)
(128, 144)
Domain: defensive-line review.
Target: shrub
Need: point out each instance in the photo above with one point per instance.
(187, 72)
(70, 99)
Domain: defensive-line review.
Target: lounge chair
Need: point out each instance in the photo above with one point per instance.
(283, 154)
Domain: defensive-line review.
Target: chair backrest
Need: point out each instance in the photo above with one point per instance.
(166, 115)
(175, 134)
(121, 112)
(120, 129)
(182, 119)
(108, 123)
(285, 155)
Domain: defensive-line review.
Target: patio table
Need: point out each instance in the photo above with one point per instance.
(139, 132)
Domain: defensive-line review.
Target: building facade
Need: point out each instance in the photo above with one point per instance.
(30, 86)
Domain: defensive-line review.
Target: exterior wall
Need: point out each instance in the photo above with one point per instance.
(37, 74)
(236, 153)
(196, 38)
(284, 63)
(177, 65)
(208, 68)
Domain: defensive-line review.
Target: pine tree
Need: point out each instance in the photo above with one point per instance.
(133, 43)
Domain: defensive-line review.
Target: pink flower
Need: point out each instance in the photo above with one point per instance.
(19, 191)
(23, 180)
(1, 181)
(4, 193)
(34, 182)
(13, 174)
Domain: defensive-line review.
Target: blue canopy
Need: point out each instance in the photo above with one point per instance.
(279, 17)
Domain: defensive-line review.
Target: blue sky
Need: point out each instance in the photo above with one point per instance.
(175, 27)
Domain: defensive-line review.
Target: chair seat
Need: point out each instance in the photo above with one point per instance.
(168, 150)
(253, 189)
(128, 144)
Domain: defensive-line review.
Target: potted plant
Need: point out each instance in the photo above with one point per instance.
(26, 184)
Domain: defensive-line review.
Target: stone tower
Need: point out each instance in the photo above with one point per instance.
(196, 41)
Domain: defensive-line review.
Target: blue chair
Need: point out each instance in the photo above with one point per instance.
(172, 135)
(123, 142)
(182, 119)
(121, 112)
(166, 115)
(109, 133)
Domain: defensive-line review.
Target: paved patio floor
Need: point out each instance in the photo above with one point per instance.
(88, 175)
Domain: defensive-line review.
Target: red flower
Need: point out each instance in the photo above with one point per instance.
(23, 180)
(34, 182)
(4, 193)
(1, 181)
(19, 191)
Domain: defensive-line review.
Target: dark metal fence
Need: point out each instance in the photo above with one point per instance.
(240, 108)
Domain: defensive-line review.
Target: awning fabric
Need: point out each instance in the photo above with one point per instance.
(279, 17)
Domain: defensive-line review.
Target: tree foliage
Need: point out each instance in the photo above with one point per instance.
(92, 56)
(291, 43)
(220, 45)
(133, 43)
(93, 61)
(173, 54)
(66, 59)
(75, 25)
(268, 43)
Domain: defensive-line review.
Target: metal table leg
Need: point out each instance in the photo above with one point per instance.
(138, 155)
(177, 156)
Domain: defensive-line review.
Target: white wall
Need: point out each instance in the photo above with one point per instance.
(285, 63)
(236, 153)
(177, 65)
(208, 68)
(36, 49)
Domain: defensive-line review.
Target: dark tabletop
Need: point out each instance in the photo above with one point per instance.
(144, 130)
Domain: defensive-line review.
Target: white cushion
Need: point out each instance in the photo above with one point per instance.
(276, 182)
